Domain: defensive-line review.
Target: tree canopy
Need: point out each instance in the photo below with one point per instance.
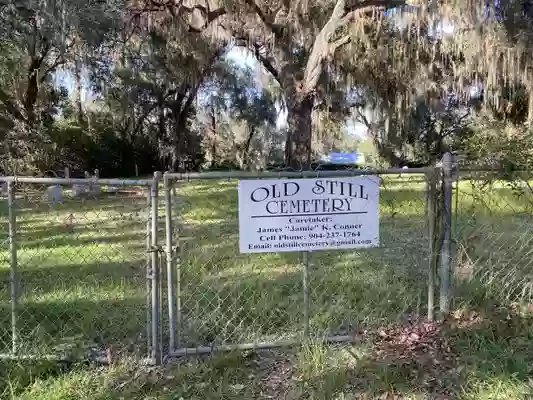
(152, 80)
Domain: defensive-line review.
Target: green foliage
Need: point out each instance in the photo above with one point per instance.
(498, 145)
(240, 118)
(82, 149)
(148, 66)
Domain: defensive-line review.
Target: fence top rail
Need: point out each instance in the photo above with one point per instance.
(291, 174)
(494, 171)
(77, 181)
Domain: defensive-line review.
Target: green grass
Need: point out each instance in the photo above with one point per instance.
(262, 294)
(82, 271)
(81, 274)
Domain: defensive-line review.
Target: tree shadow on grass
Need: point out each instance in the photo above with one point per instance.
(489, 359)
(72, 327)
(40, 223)
(50, 279)
(224, 310)
(17, 375)
(31, 209)
(397, 362)
(80, 333)
(264, 305)
(102, 302)
(72, 239)
(230, 297)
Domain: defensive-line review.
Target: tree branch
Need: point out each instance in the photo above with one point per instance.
(256, 50)
(197, 16)
(343, 12)
(181, 91)
(354, 5)
(264, 17)
(358, 9)
(208, 16)
(11, 107)
(58, 62)
(277, 30)
(339, 42)
(266, 63)
(194, 91)
(151, 108)
(320, 49)
(363, 119)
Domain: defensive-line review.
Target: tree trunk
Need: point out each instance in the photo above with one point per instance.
(79, 103)
(213, 129)
(246, 147)
(530, 107)
(178, 140)
(161, 134)
(176, 151)
(300, 133)
(32, 90)
(182, 113)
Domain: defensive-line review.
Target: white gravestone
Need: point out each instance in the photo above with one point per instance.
(113, 189)
(95, 189)
(92, 188)
(54, 195)
(79, 190)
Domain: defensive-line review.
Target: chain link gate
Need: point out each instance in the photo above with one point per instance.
(219, 299)
(84, 272)
(73, 267)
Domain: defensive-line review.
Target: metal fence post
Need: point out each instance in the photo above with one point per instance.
(431, 192)
(445, 256)
(13, 264)
(305, 282)
(177, 262)
(170, 261)
(154, 193)
(148, 240)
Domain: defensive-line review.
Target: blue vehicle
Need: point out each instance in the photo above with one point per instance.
(335, 161)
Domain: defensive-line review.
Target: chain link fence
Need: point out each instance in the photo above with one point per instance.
(78, 270)
(494, 245)
(74, 278)
(225, 298)
(153, 267)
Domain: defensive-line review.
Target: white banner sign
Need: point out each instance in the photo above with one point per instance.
(308, 214)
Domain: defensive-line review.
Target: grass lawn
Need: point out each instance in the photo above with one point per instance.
(82, 269)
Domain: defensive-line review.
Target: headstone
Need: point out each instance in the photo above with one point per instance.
(79, 190)
(95, 189)
(54, 195)
(112, 189)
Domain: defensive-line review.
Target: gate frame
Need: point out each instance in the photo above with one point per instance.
(440, 246)
(431, 174)
(153, 355)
